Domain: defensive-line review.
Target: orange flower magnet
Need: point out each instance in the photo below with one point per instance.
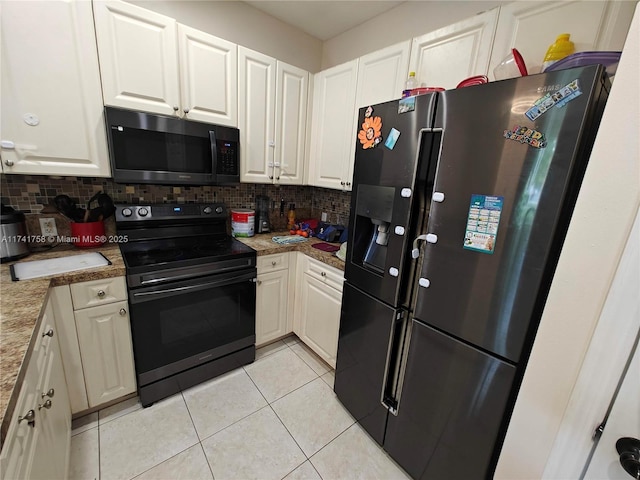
(370, 136)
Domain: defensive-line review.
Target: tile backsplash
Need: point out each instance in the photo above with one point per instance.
(34, 194)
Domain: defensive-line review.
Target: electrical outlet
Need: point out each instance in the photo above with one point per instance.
(48, 227)
(324, 216)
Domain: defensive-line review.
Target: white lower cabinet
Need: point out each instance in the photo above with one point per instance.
(317, 307)
(273, 300)
(97, 349)
(38, 441)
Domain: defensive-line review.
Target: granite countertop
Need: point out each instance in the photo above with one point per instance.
(21, 310)
(264, 245)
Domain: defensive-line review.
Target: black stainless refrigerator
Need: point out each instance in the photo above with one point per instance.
(460, 204)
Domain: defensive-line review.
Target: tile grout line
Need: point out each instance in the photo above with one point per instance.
(197, 434)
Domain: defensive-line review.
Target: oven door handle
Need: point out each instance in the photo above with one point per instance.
(137, 297)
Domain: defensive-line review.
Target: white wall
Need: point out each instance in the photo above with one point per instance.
(407, 20)
(240, 23)
(601, 224)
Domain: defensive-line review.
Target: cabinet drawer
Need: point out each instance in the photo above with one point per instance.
(98, 292)
(328, 275)
(270, 263)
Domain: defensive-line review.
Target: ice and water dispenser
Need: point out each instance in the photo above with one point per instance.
(374, 208)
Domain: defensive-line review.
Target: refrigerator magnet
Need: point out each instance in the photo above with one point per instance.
(483, 220)
(407, 104)
(527, 135)
(370, 134)
(558, 98)
(392, 138)
(368, 112)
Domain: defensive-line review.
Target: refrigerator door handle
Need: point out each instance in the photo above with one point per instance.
(392, 364)
(415, 251)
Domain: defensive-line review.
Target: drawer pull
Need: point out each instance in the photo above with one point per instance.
(273, 264)
(48, 333)
(259, 282)
(46, 405)
(49, 394)
(323, 274)
(101, 293)
(30, 417)
(123, 312)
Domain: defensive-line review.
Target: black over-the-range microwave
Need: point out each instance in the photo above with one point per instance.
(163, 150)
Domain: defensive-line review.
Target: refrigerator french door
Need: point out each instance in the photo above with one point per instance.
(509, 158)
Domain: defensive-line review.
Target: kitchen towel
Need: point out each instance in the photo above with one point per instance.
(287, 239)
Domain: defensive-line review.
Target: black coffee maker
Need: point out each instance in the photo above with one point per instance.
(263, 225)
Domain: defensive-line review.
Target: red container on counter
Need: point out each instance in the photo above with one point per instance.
(87, 235)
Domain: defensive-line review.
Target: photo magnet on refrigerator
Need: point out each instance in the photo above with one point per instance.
(392, 139)
(407, 104)
(527, 135)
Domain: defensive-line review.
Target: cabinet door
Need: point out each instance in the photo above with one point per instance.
(318, 318)
(272, 306)
(334, 126)
(256, 102)
(208, 77)
(382, 74)
(138, 57)
(532, 26)
(447, 56)
(292, 86)
(51, 98)
(104, 335)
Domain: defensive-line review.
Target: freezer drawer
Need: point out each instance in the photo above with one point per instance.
(451, 406)
(365, 329)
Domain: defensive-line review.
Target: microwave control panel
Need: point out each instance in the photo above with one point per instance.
(227, 158)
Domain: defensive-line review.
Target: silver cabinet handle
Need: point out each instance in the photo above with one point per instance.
(46, 405)
(101, 293)
(186, 110)
(123, 312)
(342, 183)
(348, 184)
(49, 394)
(273, 264)
(30, 417)
(259, 282)
(48, 333)
(8, 163)
(323, 274)
(175, 108)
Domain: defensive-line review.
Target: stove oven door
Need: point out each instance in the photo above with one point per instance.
(180, 325)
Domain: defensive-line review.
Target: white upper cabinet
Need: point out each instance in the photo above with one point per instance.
(149, 62)
(272, 119)
(334, 127)
(208, 77)
(256, 119)
(51, 101)
(532, 26)
(447, 56)
(292, 89)
(382, 75)
(138, 57)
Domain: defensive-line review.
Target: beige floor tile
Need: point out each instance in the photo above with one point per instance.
(279, 373)
(119, 409)
(256, 447)
(310, 358)
(222, 401)
(313, 415)
(84, 461)
(82, 424)
(269, 349)
(188, 465)
(304, 472)
(354, 456)
(329, 378)
(291, 340)
(134, 443)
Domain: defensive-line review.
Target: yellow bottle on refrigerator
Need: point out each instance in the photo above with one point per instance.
(561, 48)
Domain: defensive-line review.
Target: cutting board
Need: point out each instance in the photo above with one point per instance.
(55, 266)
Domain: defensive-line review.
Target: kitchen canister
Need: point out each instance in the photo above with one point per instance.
(242, 222)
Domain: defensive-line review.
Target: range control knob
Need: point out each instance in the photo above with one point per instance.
(143, 212)
(207, 210)
(219, 209)
(126, 212)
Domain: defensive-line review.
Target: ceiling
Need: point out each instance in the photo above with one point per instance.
(324, 19)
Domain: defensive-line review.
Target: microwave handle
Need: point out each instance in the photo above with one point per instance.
(214, 152)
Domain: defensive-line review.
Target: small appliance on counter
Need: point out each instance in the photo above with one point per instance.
(13, 229)
(263, 225)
